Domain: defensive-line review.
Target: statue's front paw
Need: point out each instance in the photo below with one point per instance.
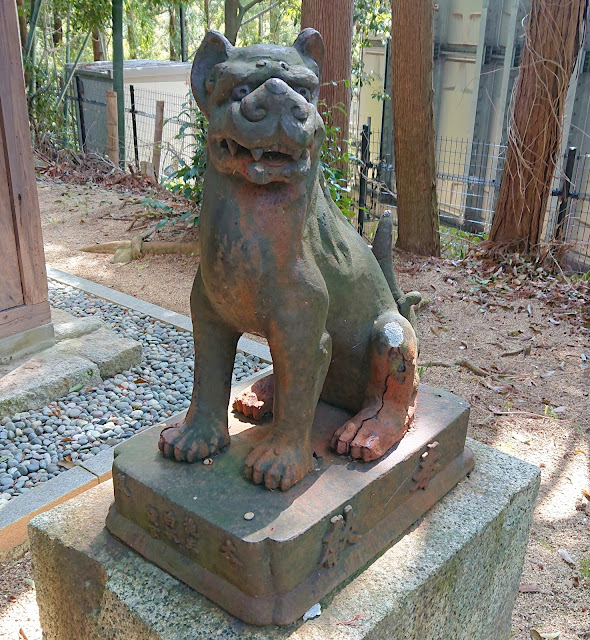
(278, 464)
(189, 443)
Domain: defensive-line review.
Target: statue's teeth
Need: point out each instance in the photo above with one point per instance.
(232, 146)
(297, 154)
(256, 153)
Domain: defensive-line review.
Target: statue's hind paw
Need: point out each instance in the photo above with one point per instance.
(370, 434)
(257, 400)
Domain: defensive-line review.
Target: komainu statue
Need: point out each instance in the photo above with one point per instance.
(278, 259)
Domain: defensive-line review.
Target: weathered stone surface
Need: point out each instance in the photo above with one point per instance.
(15, 516)
(25, 343)
(48, 375)
(109, 351)
(454, 575)
(67, 326)
(301, 544)
(279, 259)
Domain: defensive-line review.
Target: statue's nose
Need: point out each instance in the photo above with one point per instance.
(275, 95)
(276, 86)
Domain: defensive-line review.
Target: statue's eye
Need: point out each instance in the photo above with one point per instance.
(305, 92)
(240, 92)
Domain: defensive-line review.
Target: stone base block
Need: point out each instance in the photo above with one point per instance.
(109, 351)
(300, 544)
(29, 383)
(455, 574)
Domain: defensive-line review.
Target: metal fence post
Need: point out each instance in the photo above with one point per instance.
(365, 138)
(564, 193)
(134, 124)
(80, 100)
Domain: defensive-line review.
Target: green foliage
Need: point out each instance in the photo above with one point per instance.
(85, 14)
(187, 180)
(372, 16)
(585, 568)
(456, 244)
(333, 163)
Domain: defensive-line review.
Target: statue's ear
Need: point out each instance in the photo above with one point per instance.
(214, 49)
(310, 44)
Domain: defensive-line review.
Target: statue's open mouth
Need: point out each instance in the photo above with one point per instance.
(275, 156)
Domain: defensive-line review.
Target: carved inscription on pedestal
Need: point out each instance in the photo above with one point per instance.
(121, 487)
(153, 516)
(167, 524)
(229, 551)
(342, 533)
(170, 526)
(191, 534)
(427, 468)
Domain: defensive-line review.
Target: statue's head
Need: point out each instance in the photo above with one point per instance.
(261, 103)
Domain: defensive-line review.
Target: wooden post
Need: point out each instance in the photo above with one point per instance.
(112, 148)
(23, 280)
(158, 137)
(147, 169)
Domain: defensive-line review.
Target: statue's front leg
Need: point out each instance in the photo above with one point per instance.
(301, 350)
(205, 430)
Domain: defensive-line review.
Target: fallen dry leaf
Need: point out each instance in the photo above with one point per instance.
(543, 635)
(353, 622)
(566, 557)
(529, 588)
(521, 438)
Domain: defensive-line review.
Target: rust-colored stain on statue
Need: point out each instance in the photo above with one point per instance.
(278, 259)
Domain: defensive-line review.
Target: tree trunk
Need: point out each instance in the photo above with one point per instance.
(231, 20)
(22, 22)
(207, 17)
(413, 126)
(173, 28)
(57, 29)
(275, 21)
(552, 44)
(333, 20)
(96, 48)
(234, 14)
(131, 38)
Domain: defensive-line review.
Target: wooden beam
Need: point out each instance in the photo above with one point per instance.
(112, 148)
(19, 154)
(11, 292)
(158, 137)
(24, 318)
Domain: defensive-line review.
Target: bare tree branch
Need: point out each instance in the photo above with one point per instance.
(261, 13)
(244, 9)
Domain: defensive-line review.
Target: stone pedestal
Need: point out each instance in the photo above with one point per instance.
(455, 574)
(296, 546)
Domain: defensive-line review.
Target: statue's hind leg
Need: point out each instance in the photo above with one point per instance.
(390, 399)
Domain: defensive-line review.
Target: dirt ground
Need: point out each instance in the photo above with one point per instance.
(524, 365)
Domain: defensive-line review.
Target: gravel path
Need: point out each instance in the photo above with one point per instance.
(36, 445)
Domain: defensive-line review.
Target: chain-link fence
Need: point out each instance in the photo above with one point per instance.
(140, 125)
(469, 173)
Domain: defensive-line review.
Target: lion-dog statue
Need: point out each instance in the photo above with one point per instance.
(278, 259)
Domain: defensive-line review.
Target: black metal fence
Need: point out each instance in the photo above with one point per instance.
(469, 173)
(140, 122)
